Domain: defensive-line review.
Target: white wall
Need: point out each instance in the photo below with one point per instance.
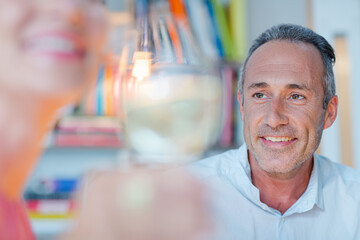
(331, 18)
(262, 14)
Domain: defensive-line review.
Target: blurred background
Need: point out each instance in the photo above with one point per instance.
(89, 135)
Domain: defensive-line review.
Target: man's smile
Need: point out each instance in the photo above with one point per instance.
(277, 141)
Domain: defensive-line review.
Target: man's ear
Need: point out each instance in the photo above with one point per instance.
(331, 112)
(239, 98)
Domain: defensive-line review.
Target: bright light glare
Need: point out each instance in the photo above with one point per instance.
(142, 65)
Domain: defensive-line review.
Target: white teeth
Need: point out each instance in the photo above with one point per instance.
(54, 44)
(278, 139)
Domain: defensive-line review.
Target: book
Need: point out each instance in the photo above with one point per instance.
(226, 137)
(88, 124)
(88, 131)
(202, 27)
(238, 28)
(216, 28)
(50, 208)
(87, 140)
(222, 28)
(99, 97)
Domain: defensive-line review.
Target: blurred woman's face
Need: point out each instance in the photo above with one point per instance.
(50, 48)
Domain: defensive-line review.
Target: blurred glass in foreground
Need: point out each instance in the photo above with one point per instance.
(170, 111)
(170, 96)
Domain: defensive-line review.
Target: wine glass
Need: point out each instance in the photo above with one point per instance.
(170, 96)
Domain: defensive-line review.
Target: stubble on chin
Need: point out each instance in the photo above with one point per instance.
(278, 165)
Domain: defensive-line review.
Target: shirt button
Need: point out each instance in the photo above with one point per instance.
(283, 219)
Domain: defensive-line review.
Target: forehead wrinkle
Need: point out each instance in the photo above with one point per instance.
(266, 78)
(280, 55)
(279, 71)
(266, 67)
(301, 86)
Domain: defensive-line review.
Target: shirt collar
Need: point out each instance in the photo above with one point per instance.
(319, 200)
(240, 177)
(313, 194)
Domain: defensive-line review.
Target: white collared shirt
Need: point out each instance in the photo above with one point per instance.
(328, 209)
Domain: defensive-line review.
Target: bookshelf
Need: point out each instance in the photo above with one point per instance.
(49, 190)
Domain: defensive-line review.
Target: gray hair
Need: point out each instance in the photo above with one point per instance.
(296, 33)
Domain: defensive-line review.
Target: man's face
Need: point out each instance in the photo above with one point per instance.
(283, 105)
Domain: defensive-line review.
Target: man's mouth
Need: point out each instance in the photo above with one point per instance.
(278, 139)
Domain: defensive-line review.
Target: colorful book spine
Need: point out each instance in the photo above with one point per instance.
(238, 28)
(175, 39)
(108, 91)
(89, 102)
(222, 27)
(226, 137)
(100, 92)
(202, 27)
(86, 124)
(88, 140)
(50, 208)
(178, 10)
(102, 99)
(216, 28)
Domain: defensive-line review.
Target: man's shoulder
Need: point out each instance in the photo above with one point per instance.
(332, 171)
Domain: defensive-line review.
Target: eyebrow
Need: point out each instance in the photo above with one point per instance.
(289, 86)
(259, 85)
(298, 86)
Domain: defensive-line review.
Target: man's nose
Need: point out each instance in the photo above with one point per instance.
(276, 114)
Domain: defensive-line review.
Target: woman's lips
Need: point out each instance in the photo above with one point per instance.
(56, 45)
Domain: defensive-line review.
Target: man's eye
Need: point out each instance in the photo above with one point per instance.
(259, 95)
(297, 97)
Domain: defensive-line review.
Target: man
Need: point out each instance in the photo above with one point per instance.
(275, 186)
